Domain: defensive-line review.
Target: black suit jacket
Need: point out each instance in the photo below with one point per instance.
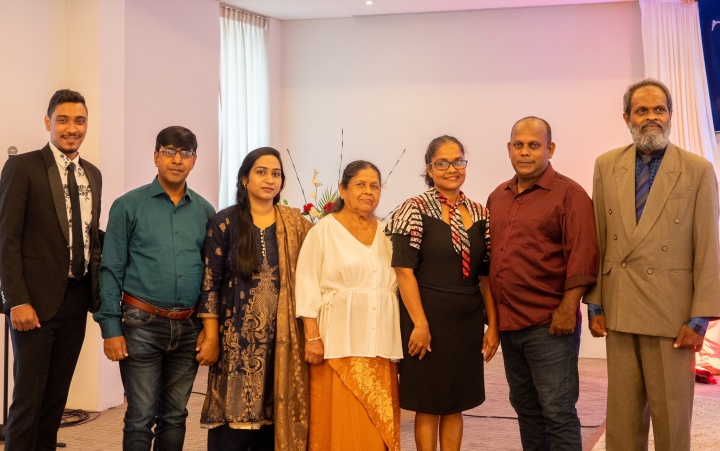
(35, 232)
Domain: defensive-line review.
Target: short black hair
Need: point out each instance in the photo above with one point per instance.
(177, 136)
(64, 96)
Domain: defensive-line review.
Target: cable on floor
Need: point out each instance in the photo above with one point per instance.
(76, 417)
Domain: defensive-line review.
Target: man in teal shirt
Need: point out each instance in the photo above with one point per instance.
(150, 279)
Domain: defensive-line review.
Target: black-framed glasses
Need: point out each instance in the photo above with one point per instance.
(170, 153)
(442, 165)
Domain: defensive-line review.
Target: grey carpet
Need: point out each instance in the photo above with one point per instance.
(491, 426)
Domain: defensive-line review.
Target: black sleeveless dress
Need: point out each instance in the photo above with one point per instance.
(450, 379)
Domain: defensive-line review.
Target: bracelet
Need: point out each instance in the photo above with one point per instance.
(313, 339)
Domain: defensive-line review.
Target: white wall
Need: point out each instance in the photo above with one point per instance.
(33, 64)
(172, 60)
(396, 82)
(141, 66)
(392, 82)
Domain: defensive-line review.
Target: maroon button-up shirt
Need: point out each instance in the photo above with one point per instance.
(543, 242)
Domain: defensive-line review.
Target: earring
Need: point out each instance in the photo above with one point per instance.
(245, 186)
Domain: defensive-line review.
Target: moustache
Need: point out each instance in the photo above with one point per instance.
(652, 123)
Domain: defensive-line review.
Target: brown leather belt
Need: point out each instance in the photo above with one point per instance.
(166, 313)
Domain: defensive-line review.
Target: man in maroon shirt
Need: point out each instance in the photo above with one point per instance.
(544, 255)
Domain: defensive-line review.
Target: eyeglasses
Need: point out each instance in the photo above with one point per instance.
(170, 153)
(442, 165)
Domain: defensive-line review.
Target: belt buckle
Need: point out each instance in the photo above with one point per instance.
(174, 313)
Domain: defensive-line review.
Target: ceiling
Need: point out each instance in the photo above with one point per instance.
(325, 9)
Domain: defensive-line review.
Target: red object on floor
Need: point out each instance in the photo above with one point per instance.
(704, 376)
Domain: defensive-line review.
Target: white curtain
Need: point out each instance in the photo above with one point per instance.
(674, 55)
(244, 93)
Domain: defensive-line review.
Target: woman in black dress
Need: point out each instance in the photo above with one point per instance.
(441, 258)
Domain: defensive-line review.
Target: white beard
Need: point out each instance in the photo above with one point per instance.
(650, 140)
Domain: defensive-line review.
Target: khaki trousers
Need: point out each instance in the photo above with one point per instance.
(648, 378)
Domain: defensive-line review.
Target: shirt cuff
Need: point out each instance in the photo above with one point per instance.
(110, 328)
(698, 324)
(595, 310)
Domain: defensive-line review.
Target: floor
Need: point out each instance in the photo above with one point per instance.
(491, 426)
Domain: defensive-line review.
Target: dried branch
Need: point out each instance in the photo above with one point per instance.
(393, 168)
(391, 212)
(342, 146)
(297, 176)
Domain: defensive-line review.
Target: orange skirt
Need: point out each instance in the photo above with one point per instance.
(354, 405)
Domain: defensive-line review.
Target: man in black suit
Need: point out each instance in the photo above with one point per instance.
(49, 260)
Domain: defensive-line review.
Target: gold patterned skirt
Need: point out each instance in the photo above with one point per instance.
(354, 405)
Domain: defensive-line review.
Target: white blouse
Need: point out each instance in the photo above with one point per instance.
(352, 291)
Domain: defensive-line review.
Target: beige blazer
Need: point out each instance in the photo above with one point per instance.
(656, 274)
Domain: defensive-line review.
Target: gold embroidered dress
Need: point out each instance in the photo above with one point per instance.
(260, 377)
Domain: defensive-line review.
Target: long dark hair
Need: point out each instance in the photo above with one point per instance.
(247, 258)
(351, 170)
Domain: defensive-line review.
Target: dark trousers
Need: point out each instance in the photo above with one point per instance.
(158, 376)
(224, 438)
(542, 373)
(45, 360)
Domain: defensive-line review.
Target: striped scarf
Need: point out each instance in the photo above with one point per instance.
(461, 242)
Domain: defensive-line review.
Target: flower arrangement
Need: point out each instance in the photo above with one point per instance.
(325, 204)
(320, 207)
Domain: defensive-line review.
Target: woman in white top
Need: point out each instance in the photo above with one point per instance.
(346, 297)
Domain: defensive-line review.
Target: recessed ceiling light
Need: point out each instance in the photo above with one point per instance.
(368, 2)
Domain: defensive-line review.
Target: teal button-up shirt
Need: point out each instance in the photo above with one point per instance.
(152, 251)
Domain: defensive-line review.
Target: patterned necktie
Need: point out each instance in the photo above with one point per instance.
(77, 263)
(643, 186)
(461, 242)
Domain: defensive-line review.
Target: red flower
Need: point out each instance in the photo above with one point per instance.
(307, 207)
(329, 207)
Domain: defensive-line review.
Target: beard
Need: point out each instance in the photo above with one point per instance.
(650, 140)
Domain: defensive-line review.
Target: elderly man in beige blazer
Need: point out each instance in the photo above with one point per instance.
(656, 207)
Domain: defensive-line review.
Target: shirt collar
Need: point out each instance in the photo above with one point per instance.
(544, 181)
(60, 158)
(156, 190)
(657, 155)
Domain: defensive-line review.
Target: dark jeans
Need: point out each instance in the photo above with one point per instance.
(158, 376)
(45, 360)
(542, 372)
(224, 438)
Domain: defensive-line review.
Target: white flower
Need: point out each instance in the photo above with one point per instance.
(314, 180)
(315, 183)
(314, 212)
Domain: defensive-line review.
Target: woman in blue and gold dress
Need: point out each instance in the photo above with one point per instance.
(257, 393)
